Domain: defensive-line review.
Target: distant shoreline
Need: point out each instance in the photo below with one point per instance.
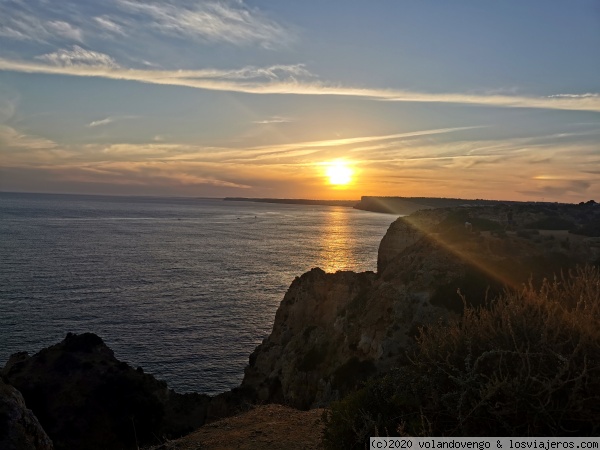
(395, 205)
(295, 201)
(387, 205)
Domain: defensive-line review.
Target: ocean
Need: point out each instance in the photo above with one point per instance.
(185, 288)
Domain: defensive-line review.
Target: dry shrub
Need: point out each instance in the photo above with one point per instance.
(529, 365)
(526, 365)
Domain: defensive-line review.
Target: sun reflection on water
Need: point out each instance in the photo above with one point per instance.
(337, 245)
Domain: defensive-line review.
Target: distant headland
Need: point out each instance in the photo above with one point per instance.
(295, 201)
(388, 205)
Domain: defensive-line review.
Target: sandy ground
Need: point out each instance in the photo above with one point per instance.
(263, 427)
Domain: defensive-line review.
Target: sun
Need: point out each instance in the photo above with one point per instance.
(339, 173)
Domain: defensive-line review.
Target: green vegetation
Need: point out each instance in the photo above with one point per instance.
(352, 373)
(528, 365)
(551, 223)
(528, 234)
(591, 229)
(458, 217)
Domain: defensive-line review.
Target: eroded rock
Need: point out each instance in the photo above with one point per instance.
(332, 331)
(19, 428)
(86, 399)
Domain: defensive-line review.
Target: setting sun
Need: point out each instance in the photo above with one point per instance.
(339, 173)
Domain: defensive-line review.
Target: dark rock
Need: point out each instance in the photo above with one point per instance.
(19, 428)
(86, 399)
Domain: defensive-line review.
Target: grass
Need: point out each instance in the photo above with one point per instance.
(526, 365)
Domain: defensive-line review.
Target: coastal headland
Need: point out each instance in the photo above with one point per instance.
(294, 201)
(333, 333)
(388, 205)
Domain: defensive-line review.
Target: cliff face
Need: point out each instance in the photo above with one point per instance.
(308, 338)
(332, 331)
(19, 428)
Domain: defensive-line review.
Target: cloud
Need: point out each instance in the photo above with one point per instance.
(108, 120)
(213, 21)
(79, 57)
(109, 25)
(276, 72)
(97, 123)
(142, 173)
(419, 162)
(7, 109)
(19, 149)
(272, 120)
(65, 29)
(558, 188)
(588, 95)
(278, 79)
(22, 22)
(322, 150)
(22, 27)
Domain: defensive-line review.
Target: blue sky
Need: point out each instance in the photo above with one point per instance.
(468, 99)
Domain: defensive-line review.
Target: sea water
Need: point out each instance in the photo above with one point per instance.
(185, 288)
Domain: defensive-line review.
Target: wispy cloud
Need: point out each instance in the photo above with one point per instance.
(290, 152)
(65, 29)
(107, 24)
(97, 123)
(108, 120)
(11, 139)
(229, 21)
(420, 162)
(279, 79)
(272, 120)
(7, 109)
(78, 57)
(20, 23)
(558, 188)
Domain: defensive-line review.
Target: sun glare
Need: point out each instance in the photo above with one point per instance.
(339, 173)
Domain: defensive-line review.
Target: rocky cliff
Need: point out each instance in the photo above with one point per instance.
(332, 331)
(86, 399)
(19, 428)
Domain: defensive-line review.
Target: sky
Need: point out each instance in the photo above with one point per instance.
(257, 98)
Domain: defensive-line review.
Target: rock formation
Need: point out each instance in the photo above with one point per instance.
(19, 428)
(332, 331)
(86, 399)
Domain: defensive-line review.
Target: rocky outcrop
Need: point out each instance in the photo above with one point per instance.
(309, 337)
(19, 428)
(332, 331)
(402, 234)
(86, 399)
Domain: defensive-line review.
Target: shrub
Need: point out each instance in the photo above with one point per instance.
(527, 365)
(482, 224)
(352, 373)
(527, 234)
(551, 223)
(592, 229)
(370, 411)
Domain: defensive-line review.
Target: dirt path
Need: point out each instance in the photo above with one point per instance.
(264, 427)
